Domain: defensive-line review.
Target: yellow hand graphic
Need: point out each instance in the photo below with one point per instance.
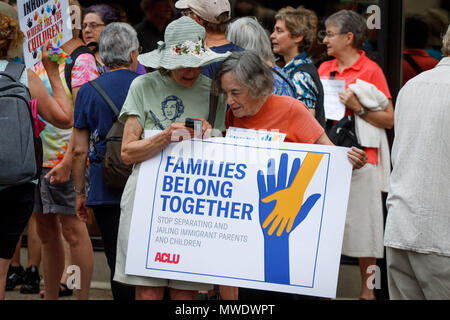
(290, 200)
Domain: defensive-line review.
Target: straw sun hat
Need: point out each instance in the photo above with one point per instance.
(183, 47)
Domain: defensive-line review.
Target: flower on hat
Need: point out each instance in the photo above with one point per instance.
(189, 47)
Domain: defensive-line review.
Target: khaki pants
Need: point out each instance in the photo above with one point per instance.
(417, 276)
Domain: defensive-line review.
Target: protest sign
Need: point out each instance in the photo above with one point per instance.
(42, 21)
(249, 214)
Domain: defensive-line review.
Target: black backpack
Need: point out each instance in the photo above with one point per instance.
(114, 172)
(20, 151)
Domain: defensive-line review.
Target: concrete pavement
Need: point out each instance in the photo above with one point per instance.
(349, 282)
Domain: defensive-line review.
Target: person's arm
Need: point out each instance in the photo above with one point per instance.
(57, 109)
(80, 139)
(136, 150)
(58, 113)
(381, 119)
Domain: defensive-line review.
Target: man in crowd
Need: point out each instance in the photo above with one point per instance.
(417, 229)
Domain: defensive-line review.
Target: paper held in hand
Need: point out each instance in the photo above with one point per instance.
(334, 108)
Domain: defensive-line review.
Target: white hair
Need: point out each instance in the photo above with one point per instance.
(116, 42)
(249, 34)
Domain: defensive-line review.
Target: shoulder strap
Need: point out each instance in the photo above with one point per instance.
(412, 63)
(15, 70)
(107, 99)
(286, 80)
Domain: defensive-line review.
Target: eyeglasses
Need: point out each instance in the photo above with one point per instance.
(330, 35)
(91, 25)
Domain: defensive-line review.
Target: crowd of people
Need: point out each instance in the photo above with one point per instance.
(200, 63)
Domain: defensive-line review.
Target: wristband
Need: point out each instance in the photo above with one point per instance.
(79, 192)
(362, 113)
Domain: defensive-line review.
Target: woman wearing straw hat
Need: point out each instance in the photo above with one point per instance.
(178, 61)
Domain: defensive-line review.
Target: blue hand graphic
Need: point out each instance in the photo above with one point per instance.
(276, 246)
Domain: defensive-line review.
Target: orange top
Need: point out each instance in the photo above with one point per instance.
(282, 113)
(363, 69)
(423, 60)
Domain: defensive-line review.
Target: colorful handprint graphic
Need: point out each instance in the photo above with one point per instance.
(282, 209)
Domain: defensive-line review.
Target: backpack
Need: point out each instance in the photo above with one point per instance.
(21, 151)
(114, 172)
(319, 109)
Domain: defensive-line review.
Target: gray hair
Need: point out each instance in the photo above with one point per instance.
(117, 41)
(249, 70)
(446, 43)
(349, 21)
(249, 34)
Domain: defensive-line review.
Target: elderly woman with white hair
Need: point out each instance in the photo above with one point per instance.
(248, 33)
(119, 49)
(178, 60)
(247, 82)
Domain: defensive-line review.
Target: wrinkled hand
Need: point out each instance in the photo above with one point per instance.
(350, 100)
(357, 157)
(289, 209)
(59, 174)
(84, 213)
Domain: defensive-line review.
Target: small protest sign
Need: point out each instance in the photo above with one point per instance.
(42, 21)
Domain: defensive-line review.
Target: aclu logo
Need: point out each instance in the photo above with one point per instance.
(167, 258)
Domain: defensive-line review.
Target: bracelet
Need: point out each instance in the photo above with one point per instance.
(362, 113)
(79, 192)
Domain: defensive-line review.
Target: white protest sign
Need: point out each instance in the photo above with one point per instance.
(334, 108)
(40, 22)
(243, 214)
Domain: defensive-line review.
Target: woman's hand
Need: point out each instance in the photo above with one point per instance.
(49, 65)
(350, 100)
(357, 157)
(59, 174)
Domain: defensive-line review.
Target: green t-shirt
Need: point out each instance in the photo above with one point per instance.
(158, 101)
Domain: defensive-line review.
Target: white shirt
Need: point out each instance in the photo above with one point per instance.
(419, 195)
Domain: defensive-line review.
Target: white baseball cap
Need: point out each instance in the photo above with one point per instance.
(208, 10)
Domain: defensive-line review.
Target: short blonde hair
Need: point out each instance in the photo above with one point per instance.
(446, 43)
(300, 21)
(10, 35)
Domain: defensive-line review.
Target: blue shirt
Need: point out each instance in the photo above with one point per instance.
(303, 81)
(210, 69)
(92, 113)
(282, 85)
